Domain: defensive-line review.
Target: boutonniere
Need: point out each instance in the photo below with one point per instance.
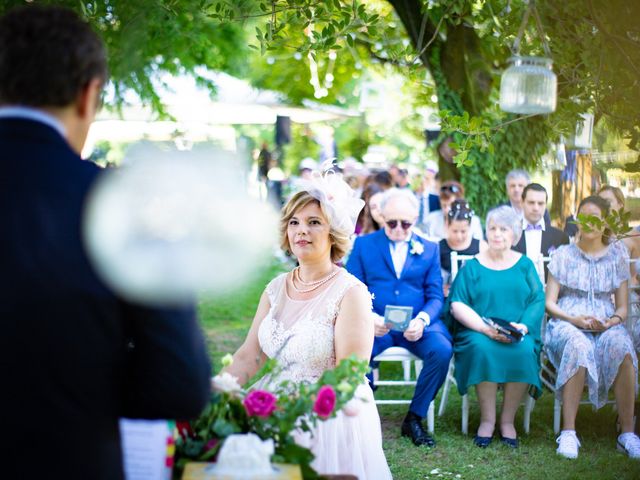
(416, 247)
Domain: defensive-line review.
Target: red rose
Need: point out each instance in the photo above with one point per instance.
(260, 403)
(325, 402)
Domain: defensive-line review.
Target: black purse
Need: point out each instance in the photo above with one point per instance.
(505, 328)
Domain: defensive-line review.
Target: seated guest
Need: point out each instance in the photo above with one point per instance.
(498, 283)
(515, 181)
(586, 339)
(428, 200)
(615, 197)
(539, 238)
(369, 220)
(434, 225)
(458, 239)
(400, 268)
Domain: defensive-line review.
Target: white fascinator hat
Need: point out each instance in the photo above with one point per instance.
(340, 202)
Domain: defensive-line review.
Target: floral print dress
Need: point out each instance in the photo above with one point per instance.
(587, 285)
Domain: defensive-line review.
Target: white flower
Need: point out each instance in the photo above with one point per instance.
(226, 383)
(416, 247)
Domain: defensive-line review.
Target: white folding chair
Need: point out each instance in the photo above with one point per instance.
(399, 354)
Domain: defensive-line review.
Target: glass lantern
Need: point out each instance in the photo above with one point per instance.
(528, 86)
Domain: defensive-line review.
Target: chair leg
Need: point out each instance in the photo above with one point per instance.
(465, 414)
(406, 368)
(418, 367)
(445, 390)
(430, 418)
(557, 412)
(529, 403)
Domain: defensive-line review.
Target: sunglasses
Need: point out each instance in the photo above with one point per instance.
(450, 188)
(403, 223)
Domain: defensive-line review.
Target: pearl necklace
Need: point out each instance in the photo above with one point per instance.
(314, 285)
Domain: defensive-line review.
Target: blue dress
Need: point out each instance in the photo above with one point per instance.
(587, 285)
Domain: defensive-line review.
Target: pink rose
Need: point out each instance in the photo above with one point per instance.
(260, 403)
(325, 402)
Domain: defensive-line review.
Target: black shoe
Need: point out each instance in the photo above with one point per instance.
(412, 428)
(509, 442)
(482, 442)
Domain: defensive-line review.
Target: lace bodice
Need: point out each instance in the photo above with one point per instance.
(300, 333)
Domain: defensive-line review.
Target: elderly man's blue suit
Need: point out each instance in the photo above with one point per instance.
(420, 287)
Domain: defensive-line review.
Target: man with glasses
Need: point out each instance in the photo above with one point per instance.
(402, 269)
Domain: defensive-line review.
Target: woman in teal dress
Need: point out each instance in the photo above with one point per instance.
(497, 283)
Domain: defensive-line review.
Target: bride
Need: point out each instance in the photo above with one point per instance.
(315, 316)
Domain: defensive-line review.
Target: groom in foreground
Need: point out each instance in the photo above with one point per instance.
(399, 268)
(74, 358)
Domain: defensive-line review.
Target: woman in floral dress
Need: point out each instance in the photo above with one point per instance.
(586, 339)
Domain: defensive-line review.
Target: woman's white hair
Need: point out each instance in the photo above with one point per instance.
(506, 216)
(405, 193)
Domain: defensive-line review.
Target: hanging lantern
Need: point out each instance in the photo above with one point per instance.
(528, 86)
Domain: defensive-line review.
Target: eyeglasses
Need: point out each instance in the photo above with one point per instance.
(403, 223)
(450, 188)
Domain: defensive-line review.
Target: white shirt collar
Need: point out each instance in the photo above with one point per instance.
(541, 223)
(35, 115)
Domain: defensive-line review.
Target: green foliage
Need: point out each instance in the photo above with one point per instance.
(323, 25)
(147, 37)
(616, 223)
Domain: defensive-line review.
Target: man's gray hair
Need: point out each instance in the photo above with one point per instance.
(517, 173)
(506, 216)
(399, 193)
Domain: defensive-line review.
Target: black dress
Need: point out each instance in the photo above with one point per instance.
(445, 252)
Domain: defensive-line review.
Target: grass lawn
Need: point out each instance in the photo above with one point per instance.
(227, 320)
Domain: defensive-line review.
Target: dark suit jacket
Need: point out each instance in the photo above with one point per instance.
(552, 238)
(419, 285)
(74, 357)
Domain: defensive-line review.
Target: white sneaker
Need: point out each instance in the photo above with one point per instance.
(568, 444)
(629, 443)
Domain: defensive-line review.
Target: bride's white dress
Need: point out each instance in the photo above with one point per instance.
(300, 334)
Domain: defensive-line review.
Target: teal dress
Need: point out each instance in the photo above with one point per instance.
(515, 295)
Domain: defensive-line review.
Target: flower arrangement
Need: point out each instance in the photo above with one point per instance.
(275, 412)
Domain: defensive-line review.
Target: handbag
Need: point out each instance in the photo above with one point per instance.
(505, 328)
